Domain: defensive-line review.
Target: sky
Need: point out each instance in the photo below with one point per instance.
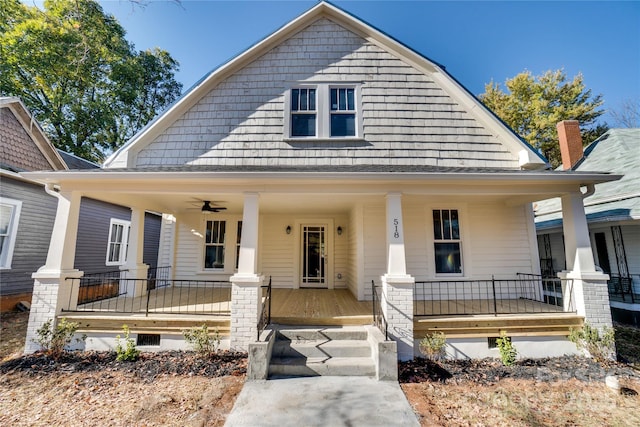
(477, 41)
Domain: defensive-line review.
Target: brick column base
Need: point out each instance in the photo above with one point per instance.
(397, 305)
(52, 292)
(590, 297)
(246, 305)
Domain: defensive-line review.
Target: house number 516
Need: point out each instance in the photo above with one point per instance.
(396, 234)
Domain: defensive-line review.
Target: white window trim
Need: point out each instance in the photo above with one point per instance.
(230, 246)
(323, 111)
(6, 255)
(122, 256)
(465, 263)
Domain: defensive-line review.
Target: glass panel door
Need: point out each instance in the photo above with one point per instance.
(313, 256)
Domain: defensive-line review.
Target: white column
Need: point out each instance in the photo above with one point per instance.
(590, 295)
(56, 284)
(134, 272)
(397, 285)
(246, 291)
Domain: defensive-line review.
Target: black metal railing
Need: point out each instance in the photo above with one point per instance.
(265, 312)
(526, 294)
(98, 286)
(158, 276)
(123, 295)
(379, 318)
(621, 288)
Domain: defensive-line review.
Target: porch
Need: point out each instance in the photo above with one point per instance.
(522, 306)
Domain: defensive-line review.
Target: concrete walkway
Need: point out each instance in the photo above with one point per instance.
(321, 401)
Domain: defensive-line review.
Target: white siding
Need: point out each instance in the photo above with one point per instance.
(407, 118)
(500, 242)
(278, 251)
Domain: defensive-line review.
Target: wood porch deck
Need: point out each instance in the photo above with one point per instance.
(170, 312)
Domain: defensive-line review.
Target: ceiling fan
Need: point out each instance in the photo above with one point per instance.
(206, 207)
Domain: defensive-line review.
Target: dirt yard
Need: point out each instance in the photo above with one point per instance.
(181, 389)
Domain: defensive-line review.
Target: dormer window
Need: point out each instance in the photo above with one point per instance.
(343, 111)
(303, 112)
(323, 111)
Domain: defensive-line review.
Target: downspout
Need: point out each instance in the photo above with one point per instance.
(50, 190)
(591, 188)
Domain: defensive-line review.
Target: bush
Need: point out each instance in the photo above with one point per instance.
(599, 344)
(128, 353)
(53, 340)
(508, 352)
(432, 345)
(203, 343)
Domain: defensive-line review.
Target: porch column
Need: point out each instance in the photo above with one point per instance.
(56, 284)
(590, 294)
(397, 285)
(133, 273)
(246, 291)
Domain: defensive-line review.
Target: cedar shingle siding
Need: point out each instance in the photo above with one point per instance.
(407, 118)
(18, 151)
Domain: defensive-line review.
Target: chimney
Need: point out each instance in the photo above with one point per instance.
(570, 143)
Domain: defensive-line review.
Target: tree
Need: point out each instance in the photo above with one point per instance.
(627, 115)
(534, 105)
(83, 81)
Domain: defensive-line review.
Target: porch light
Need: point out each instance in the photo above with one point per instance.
(288, 230)
(339, 230)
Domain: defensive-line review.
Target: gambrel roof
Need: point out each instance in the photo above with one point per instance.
(436, 121)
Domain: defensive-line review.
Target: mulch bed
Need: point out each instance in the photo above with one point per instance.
(490, 371)
(148, 367)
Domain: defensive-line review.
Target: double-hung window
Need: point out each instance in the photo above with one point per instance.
(9, 216)
(343, 111)
(118, 244)
(323, 110)
(303, 112)
(214, 244)
(447, 243)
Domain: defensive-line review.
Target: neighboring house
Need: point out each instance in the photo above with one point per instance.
(354, 176)
(26, 211)
(613, 215)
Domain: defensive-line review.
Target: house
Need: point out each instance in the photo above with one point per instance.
(28, 211)
(329, 176)
(613, 217)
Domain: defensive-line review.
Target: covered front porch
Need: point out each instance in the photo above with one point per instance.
(442, 242)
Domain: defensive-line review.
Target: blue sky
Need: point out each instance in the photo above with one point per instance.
(477, 41)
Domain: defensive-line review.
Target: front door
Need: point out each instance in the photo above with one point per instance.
(314, 256)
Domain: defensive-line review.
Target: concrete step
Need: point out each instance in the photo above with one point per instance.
(318, 366)
(317, 334)
(322, 348)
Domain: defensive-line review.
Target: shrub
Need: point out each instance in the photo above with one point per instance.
(53, 340)
(203, 343)
(508, 352)
(432, 345)
(599, 343)
(128, 353)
